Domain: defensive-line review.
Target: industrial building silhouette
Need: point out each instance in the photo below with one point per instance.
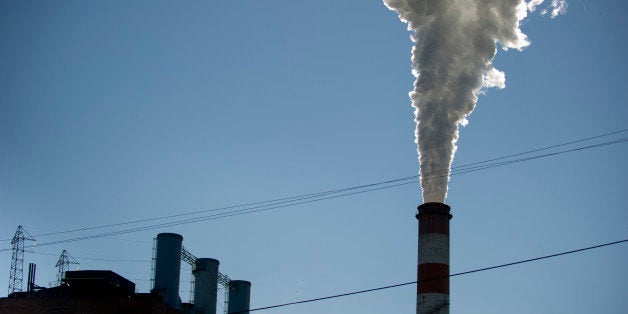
(104, 291)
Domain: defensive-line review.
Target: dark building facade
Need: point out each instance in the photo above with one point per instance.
(86, 292)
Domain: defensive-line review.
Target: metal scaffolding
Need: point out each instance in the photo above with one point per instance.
(223, 280)
(189, 258)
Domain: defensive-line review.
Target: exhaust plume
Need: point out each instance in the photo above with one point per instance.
(455, 43)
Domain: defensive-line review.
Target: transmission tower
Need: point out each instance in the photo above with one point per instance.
(17, 259)
(63, 265)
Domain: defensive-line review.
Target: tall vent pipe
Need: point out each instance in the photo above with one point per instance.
(433, 265)
(31, 277)
(168, 267)
(205, 285)
(239, 297)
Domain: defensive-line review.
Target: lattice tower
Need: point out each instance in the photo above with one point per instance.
(16, 274)
(63, 265)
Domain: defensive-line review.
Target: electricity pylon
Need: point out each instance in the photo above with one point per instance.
(17, 259)
(63, 265)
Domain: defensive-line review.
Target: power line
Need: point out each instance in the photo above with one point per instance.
(315, 197)
(273, 201)
(499, 164)
(544, 148)
(435, 278)
(99, 259)
(471, 166)
(459, 169)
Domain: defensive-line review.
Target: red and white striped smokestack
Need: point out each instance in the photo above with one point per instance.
(433, 268)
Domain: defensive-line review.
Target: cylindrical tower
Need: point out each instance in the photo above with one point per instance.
(239, 296)
(168, 267)
(205, 285)
(433, 266)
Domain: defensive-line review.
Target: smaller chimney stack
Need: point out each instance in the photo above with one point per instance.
(31, 277)
(205, 285)
(239, 296)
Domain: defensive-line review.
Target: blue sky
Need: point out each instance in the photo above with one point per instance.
(115, 111)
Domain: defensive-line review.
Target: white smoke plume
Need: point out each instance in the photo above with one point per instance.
(533, 4)
(455, 43)
(558, 7)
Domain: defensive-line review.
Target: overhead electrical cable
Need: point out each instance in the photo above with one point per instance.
(435, 278)
(315, 197)
(283, 204)
(99, 259)
(456, 169)
(542, 149)
(503, 163)
(273, 201)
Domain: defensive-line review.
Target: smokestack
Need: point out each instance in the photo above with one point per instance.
(205, 285)
(239, 296)
(168, 267)
(432, 293)
(31, 277)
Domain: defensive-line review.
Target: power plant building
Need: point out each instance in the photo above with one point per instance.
(86, 292)
(104, 291)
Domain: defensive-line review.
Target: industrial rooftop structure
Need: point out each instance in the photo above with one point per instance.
(104, 291)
